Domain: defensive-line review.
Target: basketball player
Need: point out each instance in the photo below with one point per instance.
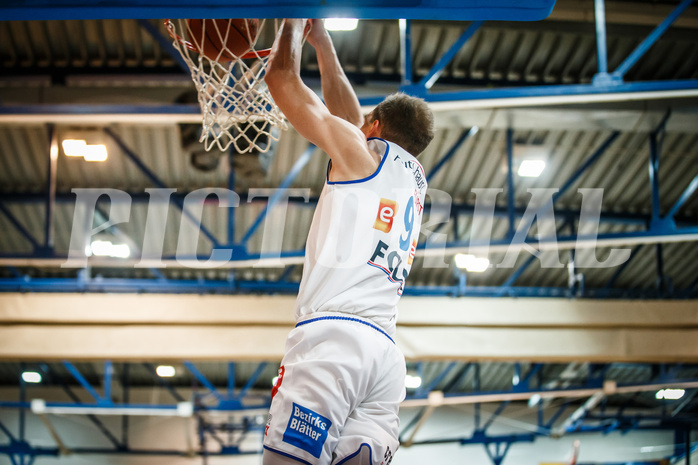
(342, 377)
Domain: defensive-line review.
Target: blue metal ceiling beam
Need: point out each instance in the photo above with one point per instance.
(108, 374)
(231, 379)
(425, 389)
(663, 282)
(281, 191)
(412, 423)
(687, 456)
(504, 10)
(287, 273)
(83, 382)
(516, 96)
(102, 217)
(556, 416)
(586, 165)
(22, 411)
(52, 168)
(19, 227)
(125, 398)
(131, 155)
(652, 235)
(541, 95)
(685, 195)
(498, 450)
(252, 380)
(192, 111)
(494, 415)
(163, 382)
(522, 386)
(654, 177)
(7, 432)
(116, 285)
(22, 448)
(458, 378)
(650, 40)
(458, 209)
(667, 420)
(500, 442)
(14, 271)
(100, 426)
(165, 43)
(511, 188)
(522, 269)
(476, 389)
(601, 44)
(431, 77)
(481, 439)
(163, 452)
(203, 380)
(156, 409)
(611, 282)
(465, 135)
(590, 383)
(405, 29)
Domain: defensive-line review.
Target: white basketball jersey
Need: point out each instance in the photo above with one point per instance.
(362, 240)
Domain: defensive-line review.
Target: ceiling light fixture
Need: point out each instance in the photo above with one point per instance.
(340, 24)
(107, 249)
(95, 152)
(412, 382)
(74, 147)
(31, 377)
(670, 394)
(531, 168)
(471, 263)
(165, 371)
(80, 148)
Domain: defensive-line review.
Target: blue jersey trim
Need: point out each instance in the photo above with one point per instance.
(375, 173)
(346, 318)
(287, 455)
(344, 460)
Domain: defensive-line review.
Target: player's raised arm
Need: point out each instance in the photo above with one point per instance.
(339, 96)
(343, 141)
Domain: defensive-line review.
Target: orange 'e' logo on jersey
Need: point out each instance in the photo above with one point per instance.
(386, 212)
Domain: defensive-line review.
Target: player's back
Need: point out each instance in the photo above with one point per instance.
(362, 241)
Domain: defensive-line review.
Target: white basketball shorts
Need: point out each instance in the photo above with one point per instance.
(339, 389)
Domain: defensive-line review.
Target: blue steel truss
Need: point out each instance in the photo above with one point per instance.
(450, 381)
(604, 83)
(230, 398)
(657, 227)
(509, 10)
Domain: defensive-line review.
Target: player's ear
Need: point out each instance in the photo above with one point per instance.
(375, 130)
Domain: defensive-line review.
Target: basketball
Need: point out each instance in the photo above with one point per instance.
(223, 39)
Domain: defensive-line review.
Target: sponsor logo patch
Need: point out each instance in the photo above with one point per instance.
(386, 212)
(307, 430)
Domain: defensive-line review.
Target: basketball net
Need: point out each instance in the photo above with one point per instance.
(235, 103)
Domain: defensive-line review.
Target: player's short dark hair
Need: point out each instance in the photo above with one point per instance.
(406, 121)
